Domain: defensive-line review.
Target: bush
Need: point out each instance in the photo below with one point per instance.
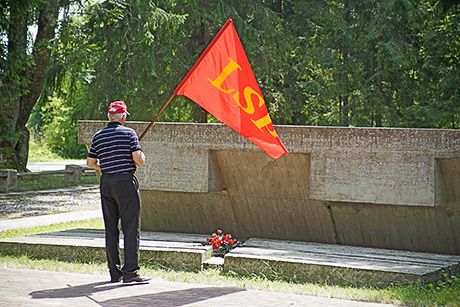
(61, 131)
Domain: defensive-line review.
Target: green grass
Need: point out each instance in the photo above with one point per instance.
(40, 152)
(445, 293)
(86, 224)
(44, 182)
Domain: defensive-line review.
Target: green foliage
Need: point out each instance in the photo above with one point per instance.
(60, 130)
(39, 151)
(441, 55)
(352, 63)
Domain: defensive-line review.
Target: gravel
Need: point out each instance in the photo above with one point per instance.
(17, 205)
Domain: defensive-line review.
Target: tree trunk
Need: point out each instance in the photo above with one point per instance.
(277, 6)
(379, 104)
(17, 47)
(18, 109)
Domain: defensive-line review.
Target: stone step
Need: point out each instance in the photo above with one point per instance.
(338, 264)
(324, 263)
(181, 251)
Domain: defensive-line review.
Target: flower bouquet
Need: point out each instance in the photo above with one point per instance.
(222, 243)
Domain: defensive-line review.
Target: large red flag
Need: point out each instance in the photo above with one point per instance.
(222, 82)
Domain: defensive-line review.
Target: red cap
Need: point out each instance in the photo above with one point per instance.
(118, 107)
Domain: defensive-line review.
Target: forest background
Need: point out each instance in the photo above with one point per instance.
(370, 63)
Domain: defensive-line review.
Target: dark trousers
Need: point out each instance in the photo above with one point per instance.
(121, 200)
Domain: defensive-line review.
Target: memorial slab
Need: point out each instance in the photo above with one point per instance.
(381, 166)
(343, 265)
(364, 165)
(377, 187)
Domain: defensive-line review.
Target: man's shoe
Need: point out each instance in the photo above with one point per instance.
(136, 279)
(116, 279)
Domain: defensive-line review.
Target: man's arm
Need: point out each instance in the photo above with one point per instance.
(93, 163)
(138, 157)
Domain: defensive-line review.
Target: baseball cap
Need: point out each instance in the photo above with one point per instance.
(118, 107)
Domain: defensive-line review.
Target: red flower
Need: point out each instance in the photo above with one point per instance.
(222, 243)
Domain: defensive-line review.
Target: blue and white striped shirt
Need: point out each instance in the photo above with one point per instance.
(113, 146)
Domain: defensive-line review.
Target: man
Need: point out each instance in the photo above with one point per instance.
(115, 150)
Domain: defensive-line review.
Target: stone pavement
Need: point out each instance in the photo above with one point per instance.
(44, 288)
(42, 207)
(48, 219)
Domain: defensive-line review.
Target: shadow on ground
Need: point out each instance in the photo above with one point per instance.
(163, 299)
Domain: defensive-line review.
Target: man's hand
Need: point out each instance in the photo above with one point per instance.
(93, 163)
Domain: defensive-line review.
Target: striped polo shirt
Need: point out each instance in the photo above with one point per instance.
(113, 146)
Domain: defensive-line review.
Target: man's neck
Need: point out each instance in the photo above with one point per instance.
(122, 122)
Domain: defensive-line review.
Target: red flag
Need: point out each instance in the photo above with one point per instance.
(222, 82)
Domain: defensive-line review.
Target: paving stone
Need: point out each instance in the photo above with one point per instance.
(32, 288)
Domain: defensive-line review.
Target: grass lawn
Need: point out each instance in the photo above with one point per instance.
(44, 182)
(40, 152)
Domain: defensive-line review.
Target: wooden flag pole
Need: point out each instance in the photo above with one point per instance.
(156, 117)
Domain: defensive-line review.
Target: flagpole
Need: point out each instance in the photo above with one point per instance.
(156, 117)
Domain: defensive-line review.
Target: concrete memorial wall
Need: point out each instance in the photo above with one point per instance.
(379, 187)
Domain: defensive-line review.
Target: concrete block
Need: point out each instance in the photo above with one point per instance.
(73, 173)
(338, 264)
(213, 263)
(8, 179)
(180, 252)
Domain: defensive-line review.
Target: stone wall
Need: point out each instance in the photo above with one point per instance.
(389, 188)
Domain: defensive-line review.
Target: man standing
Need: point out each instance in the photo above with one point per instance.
(115, 150)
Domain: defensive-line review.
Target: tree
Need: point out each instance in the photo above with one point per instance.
(438, 102)
(360, 59)
(138, 51)
(350, 62)
(22, 74)
(325, 52)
